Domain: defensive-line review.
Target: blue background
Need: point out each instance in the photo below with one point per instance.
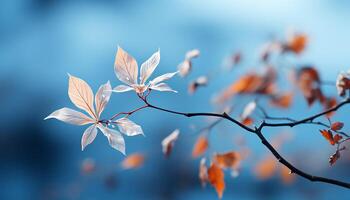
(40, 41)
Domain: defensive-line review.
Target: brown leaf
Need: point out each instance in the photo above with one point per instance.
(133, 161)
(282, 101)
(337, 138)
(203, 172)
(337, 126)
(168, 142)
(333, 158)
(227, 160)
(200, 147)
(216, 179)
(328, 104)
(308, 81)
(199, 82)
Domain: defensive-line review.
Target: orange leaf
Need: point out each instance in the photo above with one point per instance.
(309, 84)
(296, 43)
(200, 146)
(247, 121)
(337, 126)
(337, 138)
(266, 168)
(282, 101)
(216, 179)
(328, 135)
(133, 161)
(227, 160)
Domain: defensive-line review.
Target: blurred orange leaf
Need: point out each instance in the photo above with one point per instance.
(133, 161)
(337, 126)
(227, 160)
(266, 167)
(200, 146)
(282, 101)
(216, 178)
(286, 175)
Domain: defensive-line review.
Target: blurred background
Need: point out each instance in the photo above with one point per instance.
(43, 40)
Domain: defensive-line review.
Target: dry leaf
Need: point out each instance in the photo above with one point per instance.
(251, 83)
(216, 179)
(336, 126)
(133, 161)
(200, 146)
(282, 101)
(185, 67)
(309, 83)
(168, 142)
(333, 158)
(329, 136)
(199, 82)
(296, 43)
(227, 160)
(343, 83)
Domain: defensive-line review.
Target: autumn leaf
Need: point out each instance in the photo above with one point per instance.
(336, 126)
(216, 179)
(133, 161)
(282, 101)
(200, 146)
(251, 83)
(227, 160)
(329, 136)
(308, 81)
(168, 142)
(333, 158)
(199, 82)
(185, 67)
(296, 43)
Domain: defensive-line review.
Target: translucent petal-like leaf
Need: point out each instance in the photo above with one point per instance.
(162, 87)
(122, 88)
(70, 116)
(81, 95)
(128, 127)
(102, 97)
(163, 77)
(168, 142)
(88, 136)
(125, 67)
(149, 66)
(248, 110)
(115, 139)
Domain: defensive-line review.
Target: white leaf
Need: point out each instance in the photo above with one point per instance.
(163, 88)
(102, 97)
(125, 67)
(248, 109)
(122, 88)
(88, 136)
(149, 66)
(115, 139)
(128, 127)
(168, 142)
(185, 68)
(163, 77)
(70, 116)
(194, 53)
(81, 95)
